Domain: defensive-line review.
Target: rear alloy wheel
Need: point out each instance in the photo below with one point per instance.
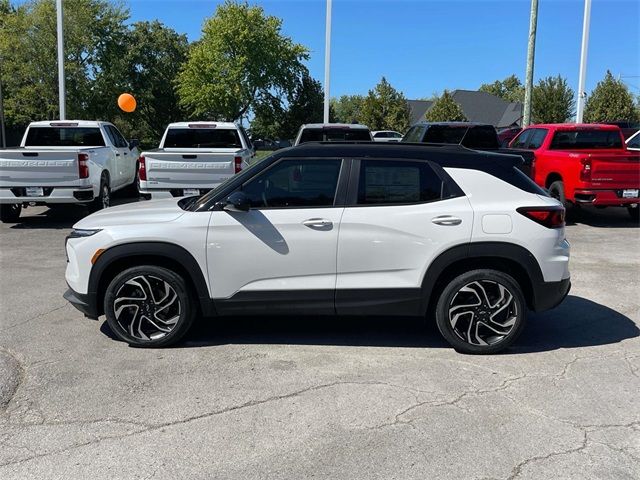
(10, 213)
(148, 306)
(482, 311)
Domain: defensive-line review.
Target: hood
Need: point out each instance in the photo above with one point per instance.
(151, 211)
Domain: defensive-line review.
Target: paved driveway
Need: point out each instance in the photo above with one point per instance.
(309, 398)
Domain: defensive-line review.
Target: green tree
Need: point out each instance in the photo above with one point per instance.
(306, 105)
(385, 108)
(445, 109)
(348, 108)
(93, 30)
(610, 101)
(242, 59)
(509, 89)
(552, 101)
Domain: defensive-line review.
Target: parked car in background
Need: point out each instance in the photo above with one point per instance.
(584, 164)
(194, 157)
(332, 132)
(264, 144)
(449, 234)
(386, 136)
(505, 135)
(65, 162)
(477, 136)
(633, 142)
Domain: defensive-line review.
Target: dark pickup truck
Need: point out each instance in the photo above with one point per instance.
(476, 136)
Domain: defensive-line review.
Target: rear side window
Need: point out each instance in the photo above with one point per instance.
(202, 138)
(295, 184)
(586, 139)
(389, 182)
(517, 178)
(64, 137)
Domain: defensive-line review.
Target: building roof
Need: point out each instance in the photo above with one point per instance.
(479, 107)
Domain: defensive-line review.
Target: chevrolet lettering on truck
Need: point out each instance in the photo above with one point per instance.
(193, 158)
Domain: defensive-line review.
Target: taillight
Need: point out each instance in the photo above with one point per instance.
(142, 169)
(550, 217)
(585, 171)
(237, 164)
(83, 167)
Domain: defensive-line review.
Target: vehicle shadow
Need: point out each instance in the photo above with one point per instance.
(59, 217)
(576, 323)
(614, 217)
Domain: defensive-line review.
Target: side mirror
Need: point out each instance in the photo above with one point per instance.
(133, 143)
(237, 202)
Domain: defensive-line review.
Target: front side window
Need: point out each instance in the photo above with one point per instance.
(536, 138)
(521, 140)
(295, 183)
(388, 182)
(116, 137)
(64, 137)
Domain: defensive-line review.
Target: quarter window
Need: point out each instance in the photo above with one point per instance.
(295, 183)
(388, 182)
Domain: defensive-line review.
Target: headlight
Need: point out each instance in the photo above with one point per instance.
(81, 233)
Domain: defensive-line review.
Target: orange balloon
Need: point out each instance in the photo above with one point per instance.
(127, 102)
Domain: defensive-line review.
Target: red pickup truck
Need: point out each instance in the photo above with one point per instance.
(583, 164)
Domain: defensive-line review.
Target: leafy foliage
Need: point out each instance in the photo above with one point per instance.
(509, 89)
(348, 108)
(552, 100)
(445, 109)
(241, 60)
(610, 101)
(385, 108)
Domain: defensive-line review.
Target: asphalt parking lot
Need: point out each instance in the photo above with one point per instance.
(311, 398)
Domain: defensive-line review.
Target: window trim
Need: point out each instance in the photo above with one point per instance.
(341, 184)
(354, 183)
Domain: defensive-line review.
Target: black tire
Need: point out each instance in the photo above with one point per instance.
(502, 307)
(132, 189)
(103, 200)
(10, 213)
(556, 190)
(149, 322)
(634, 213)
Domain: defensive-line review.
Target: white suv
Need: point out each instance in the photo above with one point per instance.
(338, 229)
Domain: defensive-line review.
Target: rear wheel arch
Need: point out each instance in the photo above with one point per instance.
(508, 258)
(173, 257)
(552, 177)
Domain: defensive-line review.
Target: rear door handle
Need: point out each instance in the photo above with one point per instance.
(446, 220)
(318, 223)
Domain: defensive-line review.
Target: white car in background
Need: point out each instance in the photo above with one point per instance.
(386, 136)
(193, 158)
(333, 132)
(633, 142)
(65, 162)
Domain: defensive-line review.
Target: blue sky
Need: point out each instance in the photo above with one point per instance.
(425, 46)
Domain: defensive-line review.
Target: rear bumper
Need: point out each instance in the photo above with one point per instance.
(548, 295)
(86, 303)
(174, 192)
(51, 195)
(611, 198)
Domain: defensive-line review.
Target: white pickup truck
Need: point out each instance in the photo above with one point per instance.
(193, 158)
(63, 162)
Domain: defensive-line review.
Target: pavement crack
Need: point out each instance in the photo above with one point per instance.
(35, 317)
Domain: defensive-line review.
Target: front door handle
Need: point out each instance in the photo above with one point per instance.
(318, 223)
(446, 220)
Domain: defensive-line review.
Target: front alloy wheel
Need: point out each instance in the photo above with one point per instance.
(148, 306)
(481, 311)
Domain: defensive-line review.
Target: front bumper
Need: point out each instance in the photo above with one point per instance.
(548, 295)
(605, 198)
(51, 195)
(86, 303)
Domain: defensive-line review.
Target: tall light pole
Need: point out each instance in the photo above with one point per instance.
(327, 62)
(2, 130)
(61, 91)
(582, 95)
(531, 53)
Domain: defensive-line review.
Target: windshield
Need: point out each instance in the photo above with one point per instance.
(202, 138)
(335, 135)
(586, 139)
(64, 137)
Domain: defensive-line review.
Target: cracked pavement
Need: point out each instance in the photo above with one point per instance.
(253, 398)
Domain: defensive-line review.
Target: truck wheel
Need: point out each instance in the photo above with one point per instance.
(10, 213)
(482, 311)
(556, 190)
(149, 306)
(634, 213)
(103, 200)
